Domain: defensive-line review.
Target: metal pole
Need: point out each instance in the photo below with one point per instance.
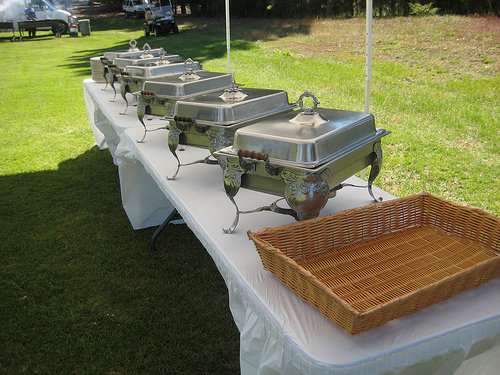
(228, 38)
(369, 16)
(368, 47)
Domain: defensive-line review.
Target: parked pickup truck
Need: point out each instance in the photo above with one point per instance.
(44, 9)
(133, 8)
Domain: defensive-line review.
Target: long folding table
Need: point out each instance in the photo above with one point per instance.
(280, 333)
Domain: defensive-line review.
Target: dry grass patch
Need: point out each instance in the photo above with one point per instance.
(448, 46)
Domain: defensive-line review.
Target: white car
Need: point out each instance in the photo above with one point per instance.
(133, 8)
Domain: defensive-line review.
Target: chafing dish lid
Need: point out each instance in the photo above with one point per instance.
(213, 109)
(122, 62)
(133, 51)
(159, 70)
(308, 139)
(180, 85)
(111, 55)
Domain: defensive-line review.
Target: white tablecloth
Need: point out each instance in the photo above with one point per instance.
(280, 333)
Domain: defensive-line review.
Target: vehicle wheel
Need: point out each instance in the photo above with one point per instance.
(146, 31)
(60, 29)
(175, 29)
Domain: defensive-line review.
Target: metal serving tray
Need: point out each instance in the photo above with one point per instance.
(148, 72)
(111, 55)
(159, 95)
(146, 55)
(210, 120)
(303, 156)
(131, 83)
(133, 51)
(187, 84)
(122, 62)
(306, 140)
(212, 109)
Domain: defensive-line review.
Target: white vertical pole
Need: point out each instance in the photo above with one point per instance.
(368, 47)
(369, 17)
(228, 38)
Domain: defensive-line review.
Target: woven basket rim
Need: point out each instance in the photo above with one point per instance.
(374, 206)
(282, 254)
(265, 245)
(302, 270)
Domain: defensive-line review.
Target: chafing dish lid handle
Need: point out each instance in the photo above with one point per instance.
(308, 116)
(133, 45)
(300, 102)
(253, 155)
(147, 52)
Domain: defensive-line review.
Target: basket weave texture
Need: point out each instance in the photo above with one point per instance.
(366, 266)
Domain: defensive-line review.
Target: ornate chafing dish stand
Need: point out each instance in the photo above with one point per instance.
(210, 120)
(159, 95)
(102, 62)
(134, 76)
(302, 156)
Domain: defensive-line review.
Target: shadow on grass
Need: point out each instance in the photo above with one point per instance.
(80, 291)
(79, 62)
(199, 39)
(43, 35)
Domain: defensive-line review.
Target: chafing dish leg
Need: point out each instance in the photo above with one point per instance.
(232, 182)
(114, 89)
(273, 207)
(143, 136)
(207, 160)
(375, 169)
(173, 142)
(178, 167)
(114, 71)
(236, 218)
(123, 93)
(145, 99)
(125, 88)
(141, 111)
(105, 70)
(105, 76)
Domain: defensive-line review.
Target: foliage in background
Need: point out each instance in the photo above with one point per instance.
(419, 10)
(335, 8)
(322, 8)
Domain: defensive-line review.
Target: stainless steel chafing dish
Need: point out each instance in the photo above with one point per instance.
(122, 62)
(149, 72)
(159, 95)
(302, 156)
(132, 53)
(134, 77)
(210, 120)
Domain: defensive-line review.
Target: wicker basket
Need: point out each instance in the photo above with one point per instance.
(366, 266)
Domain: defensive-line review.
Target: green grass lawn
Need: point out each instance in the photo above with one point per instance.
(80, 291)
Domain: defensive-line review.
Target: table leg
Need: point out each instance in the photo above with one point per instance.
(173, 215)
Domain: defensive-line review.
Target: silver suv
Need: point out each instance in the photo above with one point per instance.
(133, 8)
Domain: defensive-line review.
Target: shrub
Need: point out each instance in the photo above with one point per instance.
(422, 10)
